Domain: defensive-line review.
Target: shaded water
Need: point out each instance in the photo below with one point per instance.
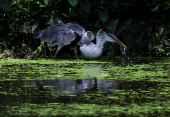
(84, 89)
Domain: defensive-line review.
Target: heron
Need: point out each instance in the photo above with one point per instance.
(65, 34)
(92, 50)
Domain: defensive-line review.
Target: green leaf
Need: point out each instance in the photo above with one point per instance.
(73, 2)
(13, 2)
(151, 2)
(103, 15)
(166, 7)
(116, 23)
(11, 17)
(43, 3)
(85, 5)
(72, 12)
(156, 8)
(12, 30)
(34, 13)
(157, 37)
(166, 42)
(34, 27)
(46, 2)
(166, 2)
(129, 38)
(55, 21)
(51, 22)
(125, 4)
(44, 15)
(84, 14)
(5, 4)
(65, 15)
(123, 26)
(113, 24)
(115, 3)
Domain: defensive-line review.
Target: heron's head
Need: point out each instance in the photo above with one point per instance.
(108, 35)
(86, 37)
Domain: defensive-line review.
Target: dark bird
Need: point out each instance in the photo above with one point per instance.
(92, 50)
(65, 34)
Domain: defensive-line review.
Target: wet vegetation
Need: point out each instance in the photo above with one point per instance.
(48, 87)
(111, 85)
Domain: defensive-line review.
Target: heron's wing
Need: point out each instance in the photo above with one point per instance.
(38, 35)
(76, 28)
(62, 34)
(55, 36)
(63, 37)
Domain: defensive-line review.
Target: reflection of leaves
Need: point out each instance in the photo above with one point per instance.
(103, 15)
(73, 2)
(5, 4)
(85, 5)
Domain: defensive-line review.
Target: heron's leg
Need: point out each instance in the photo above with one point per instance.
(58, 48)
(75, 51)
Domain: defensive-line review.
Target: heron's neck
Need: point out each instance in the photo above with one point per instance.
(99, 43)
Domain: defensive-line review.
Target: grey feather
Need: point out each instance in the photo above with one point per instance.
(62, 34)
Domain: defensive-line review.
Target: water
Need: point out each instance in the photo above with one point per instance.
(82, 88)
(125, 58)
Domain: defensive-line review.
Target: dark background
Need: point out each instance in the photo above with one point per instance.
(143, 26)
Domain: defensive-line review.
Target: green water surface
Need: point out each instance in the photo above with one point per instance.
(54, 87)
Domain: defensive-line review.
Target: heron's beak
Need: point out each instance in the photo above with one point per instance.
(117, 40)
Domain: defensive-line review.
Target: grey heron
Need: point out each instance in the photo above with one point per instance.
(64, 34)
(92, 50)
